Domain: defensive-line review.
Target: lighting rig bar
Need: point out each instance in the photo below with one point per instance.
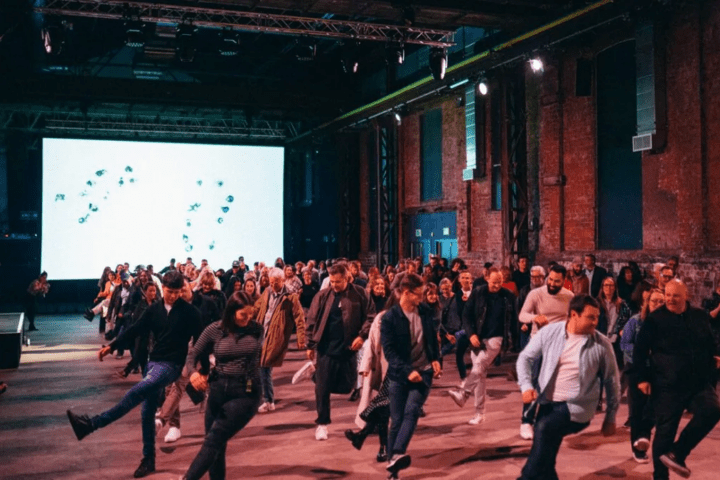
(79, 122)
(252, 21)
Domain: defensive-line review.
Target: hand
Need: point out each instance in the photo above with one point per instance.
(528, 396)
(310, 354)
(524, 328)
(199, 382)
(415, 377)
(451, 338)
(541, 321)
(644, 387)
(608, 429)
(357, 344)
(104, 352)
(475, 341)
(437, 369)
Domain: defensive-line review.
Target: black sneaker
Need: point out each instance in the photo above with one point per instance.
(676, 465)
(399, 461)
(89, 315)
(147, 466)
(382, 454)
(81, 425)
(355, 395)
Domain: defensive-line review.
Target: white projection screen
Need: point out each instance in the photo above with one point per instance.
(110, 202)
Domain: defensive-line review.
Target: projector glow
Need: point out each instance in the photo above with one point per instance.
(109, 202)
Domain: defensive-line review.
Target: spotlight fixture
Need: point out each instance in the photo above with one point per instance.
(398, 118)
(185, 42)
(536, 65)
(482, 87)
(351, 58)
(229, 43)
(135, 34)
(438, 62)
(396, 54)
(53, 37)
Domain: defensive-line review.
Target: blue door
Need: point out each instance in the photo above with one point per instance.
(434, 233)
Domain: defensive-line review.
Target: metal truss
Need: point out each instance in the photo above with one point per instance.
(140, 125)
(252, 21)
(386, 196)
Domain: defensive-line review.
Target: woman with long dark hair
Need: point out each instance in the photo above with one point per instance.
(626, 283)
(236, 342)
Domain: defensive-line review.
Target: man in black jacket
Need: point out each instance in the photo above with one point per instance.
(595, 274)
(338, 324)
(487, 318)
(409, 342)
(173, 322)
(675, 357)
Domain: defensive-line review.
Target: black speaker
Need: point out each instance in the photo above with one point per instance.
(583, 77)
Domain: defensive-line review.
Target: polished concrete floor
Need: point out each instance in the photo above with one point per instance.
(59, 370)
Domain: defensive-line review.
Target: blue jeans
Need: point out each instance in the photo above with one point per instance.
(230, 407)
(552, 425)
(159, 375)
(267, 384)
(406, 400)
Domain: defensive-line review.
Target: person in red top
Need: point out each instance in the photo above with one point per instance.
(507, 281)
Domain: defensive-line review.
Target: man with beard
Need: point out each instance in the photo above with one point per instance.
(580, 282)
(544, 305)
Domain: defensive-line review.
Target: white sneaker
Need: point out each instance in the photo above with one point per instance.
(642, 444)
(266, 407)
(305, 373)
(459, 396)
(526, 431)
(477, 419)
(158, 426)
(173, 435)
(321, 432)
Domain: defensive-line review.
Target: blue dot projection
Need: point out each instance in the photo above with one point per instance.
(225, 209)
(230, 199)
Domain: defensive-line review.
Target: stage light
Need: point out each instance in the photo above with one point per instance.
(536, 65)
(53, 37)
(185, 42)
(351, 58)
(135, 35)
(229, 43)
(396, 54)
(398, 118)
(438, 62)
(482, 87)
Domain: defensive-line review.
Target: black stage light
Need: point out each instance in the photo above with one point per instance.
(438, 62)
(229, 43)
(135, 34)
(53, 37)
(351, 58)
(396, 54)
(185, 42)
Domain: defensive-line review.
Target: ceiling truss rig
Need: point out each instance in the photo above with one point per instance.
(249, 21)
(77, 121)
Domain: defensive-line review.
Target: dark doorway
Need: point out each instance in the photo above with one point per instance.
(619, 168)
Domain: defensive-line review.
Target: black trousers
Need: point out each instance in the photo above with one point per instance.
(332, 375)
(669, 406)
(229, 408)
(641, 416)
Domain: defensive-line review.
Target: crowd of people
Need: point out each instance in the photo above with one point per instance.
(582, 337)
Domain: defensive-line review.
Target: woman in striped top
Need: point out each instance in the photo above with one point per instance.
(236, 342)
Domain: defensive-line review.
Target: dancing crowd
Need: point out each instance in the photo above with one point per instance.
(582, 336)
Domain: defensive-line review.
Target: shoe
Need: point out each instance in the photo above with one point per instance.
(147, 466)
(122, 373)
(109, 335)
(382, 454)
(399, 461)
(173, 435)
(527, 432)
(357, 439)
(477, 419)
(3, 387)
(355, 395)
(119, 355)
(266, 407)
(158, 426)
(81, 425)
(321, 432)
(641, 457)
(305, 373)
(673, 463)
(89, 315)
(459, 396)
(32, 328)
(599, 407)
(642, 444)
(627, 423)
(422, 413)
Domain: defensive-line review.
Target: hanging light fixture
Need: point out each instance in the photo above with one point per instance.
(438, 62)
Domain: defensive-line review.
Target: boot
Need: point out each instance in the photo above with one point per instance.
(358, 438)
(81, 425)
(383, 434)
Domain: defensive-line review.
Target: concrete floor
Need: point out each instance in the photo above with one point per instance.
(60, 371)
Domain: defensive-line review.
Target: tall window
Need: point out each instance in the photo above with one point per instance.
(431, 155)
(496, 156)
